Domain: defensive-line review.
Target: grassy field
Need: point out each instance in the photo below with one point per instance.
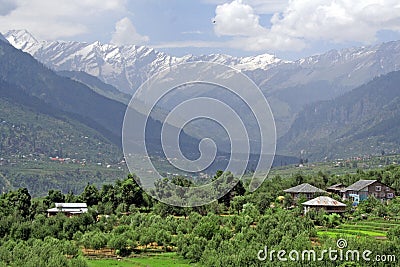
(151, 260)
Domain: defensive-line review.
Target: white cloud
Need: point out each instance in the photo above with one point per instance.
(338, 20)
(305, 21)
(125, 33)
(267, 6)
(236, 18)
(239, 20)
(260, 6)
(49, 19)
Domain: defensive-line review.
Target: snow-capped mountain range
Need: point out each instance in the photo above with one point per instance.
(125, 67)
(288, 85)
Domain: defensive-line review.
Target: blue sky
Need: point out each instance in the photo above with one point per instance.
(288, 29)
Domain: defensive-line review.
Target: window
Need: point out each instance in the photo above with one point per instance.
(389, 195)
(387, 189)
(378, 188)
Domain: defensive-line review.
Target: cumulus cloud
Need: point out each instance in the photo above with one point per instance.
(260, 6)
(338, 20)
(236, 18)
(267, 6)
(125, 33)
(305, 21)
(49, 19)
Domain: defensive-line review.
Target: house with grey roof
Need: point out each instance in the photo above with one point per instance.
(69, 209)
(363, 189)
(309, 191)
(328, 204)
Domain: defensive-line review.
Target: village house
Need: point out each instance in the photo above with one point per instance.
(363, 189)
(69, 209)
(305, 189)
(328, 204)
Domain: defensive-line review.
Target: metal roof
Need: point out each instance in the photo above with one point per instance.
(69, 210)
(304, 188)
(71, 205)
(324, 201)
(336, 186)
(359, 185)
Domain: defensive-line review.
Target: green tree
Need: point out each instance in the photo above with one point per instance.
(237, 203)
(94, 240)
(131, 192)
(119, 242)
(21, 231)
(90, 195)
(55, 196)
(226, 180)
(16, 202)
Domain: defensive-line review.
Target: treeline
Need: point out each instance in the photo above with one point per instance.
(41, 177)
(227, 232)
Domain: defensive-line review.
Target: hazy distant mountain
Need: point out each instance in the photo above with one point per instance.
(97, 85)
(363, 121)
(289, 85)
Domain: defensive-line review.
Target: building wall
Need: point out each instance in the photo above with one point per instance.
(328, 209)
(377, 189)
(381, 191)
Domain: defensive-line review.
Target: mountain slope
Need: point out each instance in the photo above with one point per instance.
(25, 72)
(97, 85)
(96, 111)
(30, 126)
(363, 121)
(3, 39)
(45, 148)
(45, 115)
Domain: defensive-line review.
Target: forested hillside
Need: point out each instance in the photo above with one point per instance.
(363, 121)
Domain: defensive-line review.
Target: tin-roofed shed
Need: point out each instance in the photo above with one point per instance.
(69, 209)
(328, 204)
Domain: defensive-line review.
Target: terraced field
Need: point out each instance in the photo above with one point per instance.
(375, 228)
